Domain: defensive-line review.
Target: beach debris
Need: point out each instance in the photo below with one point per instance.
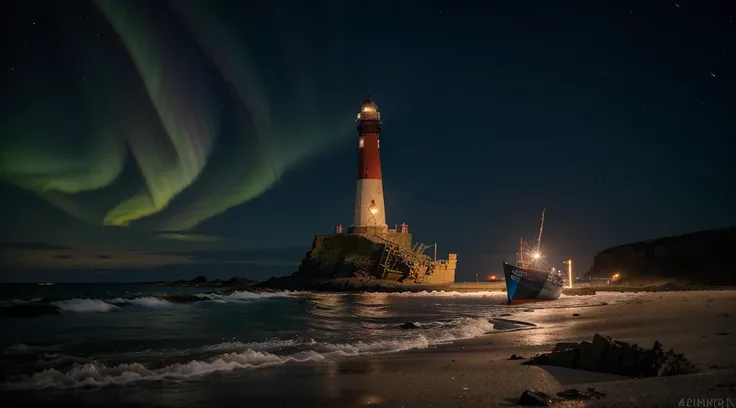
(722, 315)
(574, 394)
(508, 324)
(576, 314)
(515, 357)
(722, 334)
(531, 398)
(616, 357)
(411, 325)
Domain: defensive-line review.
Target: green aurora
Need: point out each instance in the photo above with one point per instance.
(188, 112)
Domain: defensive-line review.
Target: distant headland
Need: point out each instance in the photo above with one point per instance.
(703, 258)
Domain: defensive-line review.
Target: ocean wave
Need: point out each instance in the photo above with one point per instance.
(84, 305)
(12, 302)
(95, 374)
(146, 301)
(247, 296)
(239, 355)
(37, 307)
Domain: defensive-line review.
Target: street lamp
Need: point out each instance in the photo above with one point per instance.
(569, 272)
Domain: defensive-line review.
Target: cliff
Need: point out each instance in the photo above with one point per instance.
(704, 257)
(364, 261)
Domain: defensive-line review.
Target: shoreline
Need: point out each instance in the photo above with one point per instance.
(477, 371)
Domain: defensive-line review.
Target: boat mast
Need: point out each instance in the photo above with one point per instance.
(520, 255)
(539, 240)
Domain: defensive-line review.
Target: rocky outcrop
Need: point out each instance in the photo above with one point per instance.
(355, 262)
(616, 357)
(335, 262)
(703, 257)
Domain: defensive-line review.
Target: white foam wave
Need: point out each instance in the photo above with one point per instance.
(247, 355)
(147, 301)
(95, 374)
(84, 305)
(13, 302)
(246, 296)
(272, 344)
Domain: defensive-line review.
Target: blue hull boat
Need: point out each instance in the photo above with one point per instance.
(529, 285)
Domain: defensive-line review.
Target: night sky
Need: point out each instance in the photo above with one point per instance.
(164, 140)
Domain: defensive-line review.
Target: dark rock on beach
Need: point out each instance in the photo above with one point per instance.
(616, 357)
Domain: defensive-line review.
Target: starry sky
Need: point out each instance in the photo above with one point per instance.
(146, 140)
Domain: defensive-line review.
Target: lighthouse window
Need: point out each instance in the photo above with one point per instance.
(361, 143)
(378, 142)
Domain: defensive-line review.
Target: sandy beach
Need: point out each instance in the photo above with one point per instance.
(477, 372)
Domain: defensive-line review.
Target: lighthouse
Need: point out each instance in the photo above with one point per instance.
(370, 213)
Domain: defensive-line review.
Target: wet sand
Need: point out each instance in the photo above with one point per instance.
(477, 372)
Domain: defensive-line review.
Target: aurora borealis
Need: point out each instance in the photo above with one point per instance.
(169, 114)
(163, 127)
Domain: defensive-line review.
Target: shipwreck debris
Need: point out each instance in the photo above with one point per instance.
(616, 357)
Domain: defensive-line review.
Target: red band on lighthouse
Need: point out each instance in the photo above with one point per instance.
(369, 205)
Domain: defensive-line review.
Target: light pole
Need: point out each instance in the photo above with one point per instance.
(569, 272)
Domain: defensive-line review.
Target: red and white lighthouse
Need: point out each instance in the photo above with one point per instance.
(370, 213)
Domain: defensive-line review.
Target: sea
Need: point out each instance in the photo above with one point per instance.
(69, 337)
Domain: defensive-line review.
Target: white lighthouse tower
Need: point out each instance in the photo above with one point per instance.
(370, 212)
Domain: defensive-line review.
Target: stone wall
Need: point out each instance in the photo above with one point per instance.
(443, 273)
(401, 238)
(700, 257)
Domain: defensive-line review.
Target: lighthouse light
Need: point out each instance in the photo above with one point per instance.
(361, 143)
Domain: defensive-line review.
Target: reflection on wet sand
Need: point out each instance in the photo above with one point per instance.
(331, 370)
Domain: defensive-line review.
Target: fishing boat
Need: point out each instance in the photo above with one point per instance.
(527, 280)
